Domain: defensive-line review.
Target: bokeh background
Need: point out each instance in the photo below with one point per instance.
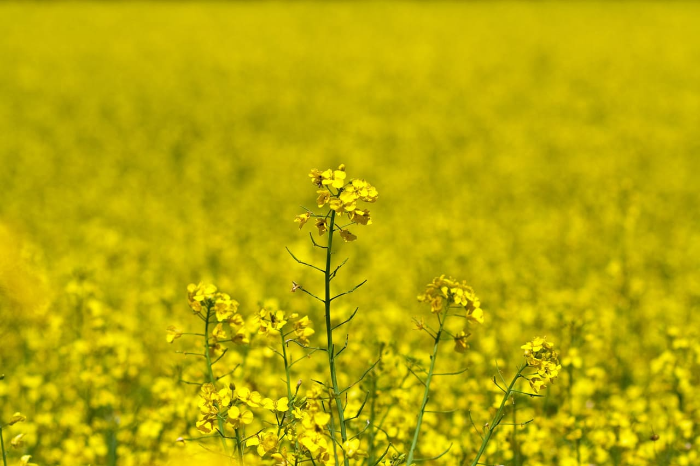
(546, 152)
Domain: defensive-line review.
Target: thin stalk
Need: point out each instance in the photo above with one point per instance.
(212, 380)
(372, 416)
(426, 392)
(288, 376)
(329, 336)
(498, 417)
(516, 453)
(287, 367)
(2, 443)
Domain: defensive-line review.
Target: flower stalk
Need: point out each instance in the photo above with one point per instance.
(330, 348)
(212, 380)
(498, 416)
(442, 317)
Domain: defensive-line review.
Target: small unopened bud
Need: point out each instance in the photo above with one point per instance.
(654, 437)
(17, 417)
(298, 384)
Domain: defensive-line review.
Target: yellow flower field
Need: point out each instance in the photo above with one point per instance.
(515, 187)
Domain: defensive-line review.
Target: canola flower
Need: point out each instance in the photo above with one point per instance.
(318, 426)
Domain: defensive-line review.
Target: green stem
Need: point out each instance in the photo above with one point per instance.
(516, 453)
(426, 392)
(498, 417)
(290, 413)
(2, 443)
(330, 349)
(287, 373)
(212, 380)
(372, 416)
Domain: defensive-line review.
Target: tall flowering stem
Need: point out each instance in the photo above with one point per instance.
(539, 355)
(330, 349)
(495, 422)
(215, 308)
(341, 196)
(212, 379)
(426, 393)
(444, 294)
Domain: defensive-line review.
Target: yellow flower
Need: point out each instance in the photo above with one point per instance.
(238, 417)
(334, 178)
(361, 217)
(281, 405)
(173, 333)
(352, 448)
(347, 236)
(266, 442)
(302, 219)
(316, 177)
(448, 290)
(240, 338)
(197, 294)
(206, 423)
(218, 333)
(461, 345)
(251, 398)
(324, 196)
(303, 330)
(539, 353)
(321, 225)
(225, 307)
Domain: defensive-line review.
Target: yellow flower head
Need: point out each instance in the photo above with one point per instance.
(539, 353)
(197, 294)
(342, 196)
(238, 417)
(443, 292)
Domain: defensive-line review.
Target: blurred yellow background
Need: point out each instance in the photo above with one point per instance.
(546, 152)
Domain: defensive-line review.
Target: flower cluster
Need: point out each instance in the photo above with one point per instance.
(447, 291)
(205, 294)
(539, 354)
(341, 196)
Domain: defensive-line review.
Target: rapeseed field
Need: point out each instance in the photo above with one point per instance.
(350, 233)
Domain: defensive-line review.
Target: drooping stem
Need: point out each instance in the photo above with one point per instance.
(330, 349)
(498, 417)
(210, 372)
(426, 393)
